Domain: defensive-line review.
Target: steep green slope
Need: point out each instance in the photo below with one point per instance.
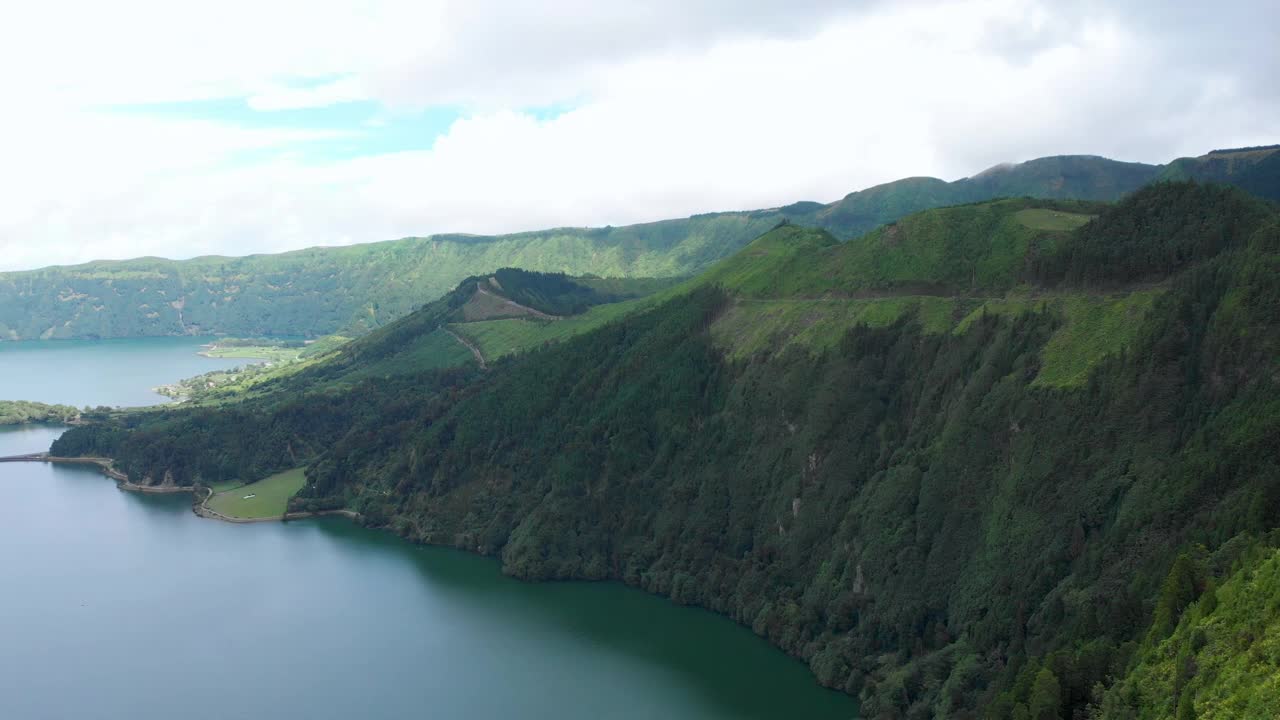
(1221, 661)
(428, 338)
(860, 211)
(905, 504)
(1255, 170)
(352, 289)
(971, 248)
(798, 287)
(987, 242)
(1062, 177)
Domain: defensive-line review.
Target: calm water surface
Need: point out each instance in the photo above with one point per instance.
(119, 605)
(101, 372)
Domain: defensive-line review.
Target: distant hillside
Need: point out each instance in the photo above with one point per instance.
(1077, 177)
(432, 337)
(1253, 169)
(322, 290)
(353, 289)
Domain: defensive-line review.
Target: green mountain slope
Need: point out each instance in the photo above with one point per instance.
(352, 289)
(1255, 170)
(1221, 661)
(892, 490)
(800, 285)
(323, 290)
(1062, 177)
(429, 338)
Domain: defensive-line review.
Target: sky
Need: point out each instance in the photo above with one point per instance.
(160, 127)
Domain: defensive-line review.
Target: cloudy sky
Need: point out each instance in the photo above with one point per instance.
(155, 127)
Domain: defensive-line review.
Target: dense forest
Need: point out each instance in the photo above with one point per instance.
(351, 290)
(895, 485)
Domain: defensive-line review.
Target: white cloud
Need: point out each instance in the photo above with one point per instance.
(679, 108)
(342, 90)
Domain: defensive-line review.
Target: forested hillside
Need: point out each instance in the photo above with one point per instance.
(434, 335)
(353, 289)
(978, 463)
(1253, 169)
(1219, 661)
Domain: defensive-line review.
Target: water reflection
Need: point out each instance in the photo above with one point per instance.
(731, 670)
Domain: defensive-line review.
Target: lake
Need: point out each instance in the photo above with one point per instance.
(117, 604)
(102, 372)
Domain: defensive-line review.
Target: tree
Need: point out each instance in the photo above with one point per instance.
(1046, 697)
(1186, 708)
(1178, 591)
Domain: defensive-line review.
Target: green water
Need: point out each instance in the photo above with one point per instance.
(119, 605)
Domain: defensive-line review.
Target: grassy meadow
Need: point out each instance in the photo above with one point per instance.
(270, 496)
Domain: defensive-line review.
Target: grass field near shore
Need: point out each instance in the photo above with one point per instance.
(270, 496)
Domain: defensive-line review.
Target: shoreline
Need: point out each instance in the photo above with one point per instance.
(199, 508)
(105, 465)
(71, 422)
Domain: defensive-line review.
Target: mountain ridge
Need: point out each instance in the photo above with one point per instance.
(352, 289)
